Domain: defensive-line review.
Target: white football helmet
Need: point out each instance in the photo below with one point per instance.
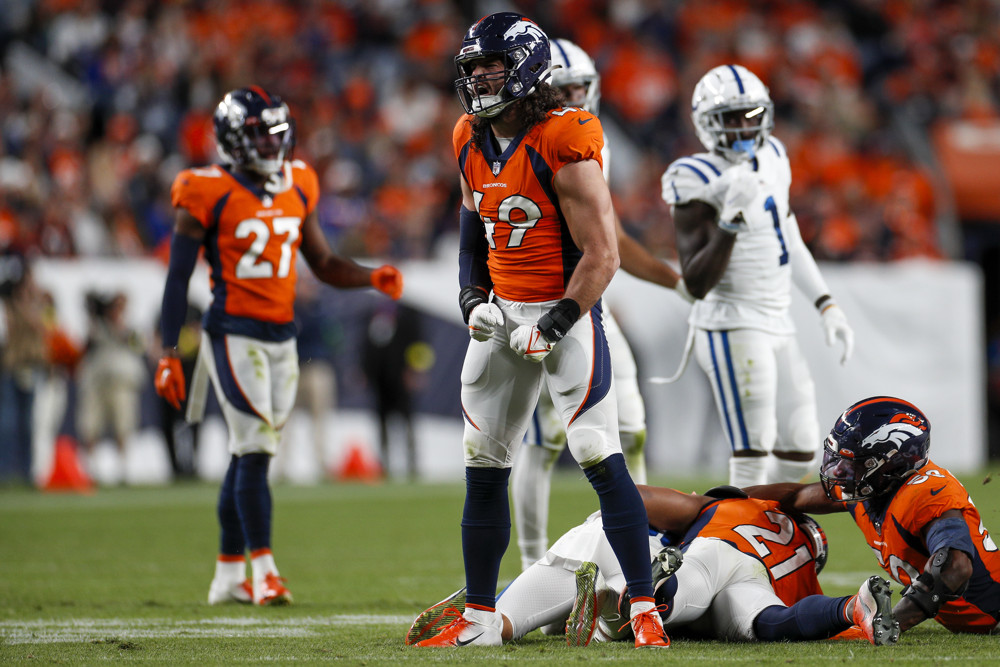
(571, 64)
(732, 112)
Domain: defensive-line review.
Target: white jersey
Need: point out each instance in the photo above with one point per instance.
(755, 289)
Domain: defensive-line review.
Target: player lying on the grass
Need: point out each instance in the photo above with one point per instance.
(749, 574)
(917, 518)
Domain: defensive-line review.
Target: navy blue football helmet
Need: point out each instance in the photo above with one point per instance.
(519, 44)
(875, 445)
(254, 130)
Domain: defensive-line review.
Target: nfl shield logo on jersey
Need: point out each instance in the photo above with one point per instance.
(496, 167)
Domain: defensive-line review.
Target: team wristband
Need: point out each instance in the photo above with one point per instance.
(556, 323)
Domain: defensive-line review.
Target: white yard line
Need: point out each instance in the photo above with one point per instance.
(89, 629)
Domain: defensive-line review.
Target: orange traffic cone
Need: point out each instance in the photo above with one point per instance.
(67, 473)
(359, 464)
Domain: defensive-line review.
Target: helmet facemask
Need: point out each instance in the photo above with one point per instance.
(258, 143)
(847, 479)
(515, 42)
(484, 94)
(737, 131)
(732, 112)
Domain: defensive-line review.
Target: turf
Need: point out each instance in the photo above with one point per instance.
(122, 575)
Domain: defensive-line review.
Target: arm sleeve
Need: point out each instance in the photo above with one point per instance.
(473, 252)
(805, 273)
(183, 256)
(951, 532)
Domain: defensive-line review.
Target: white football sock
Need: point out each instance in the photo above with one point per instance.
(747, 470)
(230, 570)
(530, 484)
(262, 565)
(633, 446)
(639, 607)
(785, 470)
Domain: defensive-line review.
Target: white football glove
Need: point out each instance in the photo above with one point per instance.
(529, 342)
(741, 187)
(835, 326)
(484, 320)
(682, 291)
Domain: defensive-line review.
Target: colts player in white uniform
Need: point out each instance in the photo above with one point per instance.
(531, 478)
(740, 251)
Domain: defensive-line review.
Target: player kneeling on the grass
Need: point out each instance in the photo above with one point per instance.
(917, 518)
(741, 570)
(252, 215)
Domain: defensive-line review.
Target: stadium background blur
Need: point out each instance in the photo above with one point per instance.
(889, 111)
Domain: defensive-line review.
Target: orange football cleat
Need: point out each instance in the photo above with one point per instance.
(463, 632)
(271, 591)
(433, 620)
(648, 630)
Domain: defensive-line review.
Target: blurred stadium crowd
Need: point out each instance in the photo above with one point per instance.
(102, 102)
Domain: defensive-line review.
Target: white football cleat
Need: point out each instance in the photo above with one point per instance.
(222, 591)
(873, 612)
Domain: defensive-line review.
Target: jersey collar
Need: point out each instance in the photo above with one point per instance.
(497, 161)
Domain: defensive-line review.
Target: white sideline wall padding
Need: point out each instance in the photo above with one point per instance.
(918, 335)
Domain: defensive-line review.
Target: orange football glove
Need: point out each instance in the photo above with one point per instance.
(170, 381)
(388, 280)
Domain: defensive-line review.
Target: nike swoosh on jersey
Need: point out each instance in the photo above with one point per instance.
(937, 491)
(582, 121)
(459, 642)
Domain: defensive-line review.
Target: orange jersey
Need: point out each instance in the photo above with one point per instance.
(898, 541)
(531, 252)
(251, 242)
(758, 528)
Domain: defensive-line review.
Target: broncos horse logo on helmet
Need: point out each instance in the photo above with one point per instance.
(875, 445)
(519, 44)
(254, 130)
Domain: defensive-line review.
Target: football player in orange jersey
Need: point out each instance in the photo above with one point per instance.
(538, 231)
(251, 215)
(734, 568)
(917, 518)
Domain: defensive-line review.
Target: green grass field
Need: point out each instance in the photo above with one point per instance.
(122, 575)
